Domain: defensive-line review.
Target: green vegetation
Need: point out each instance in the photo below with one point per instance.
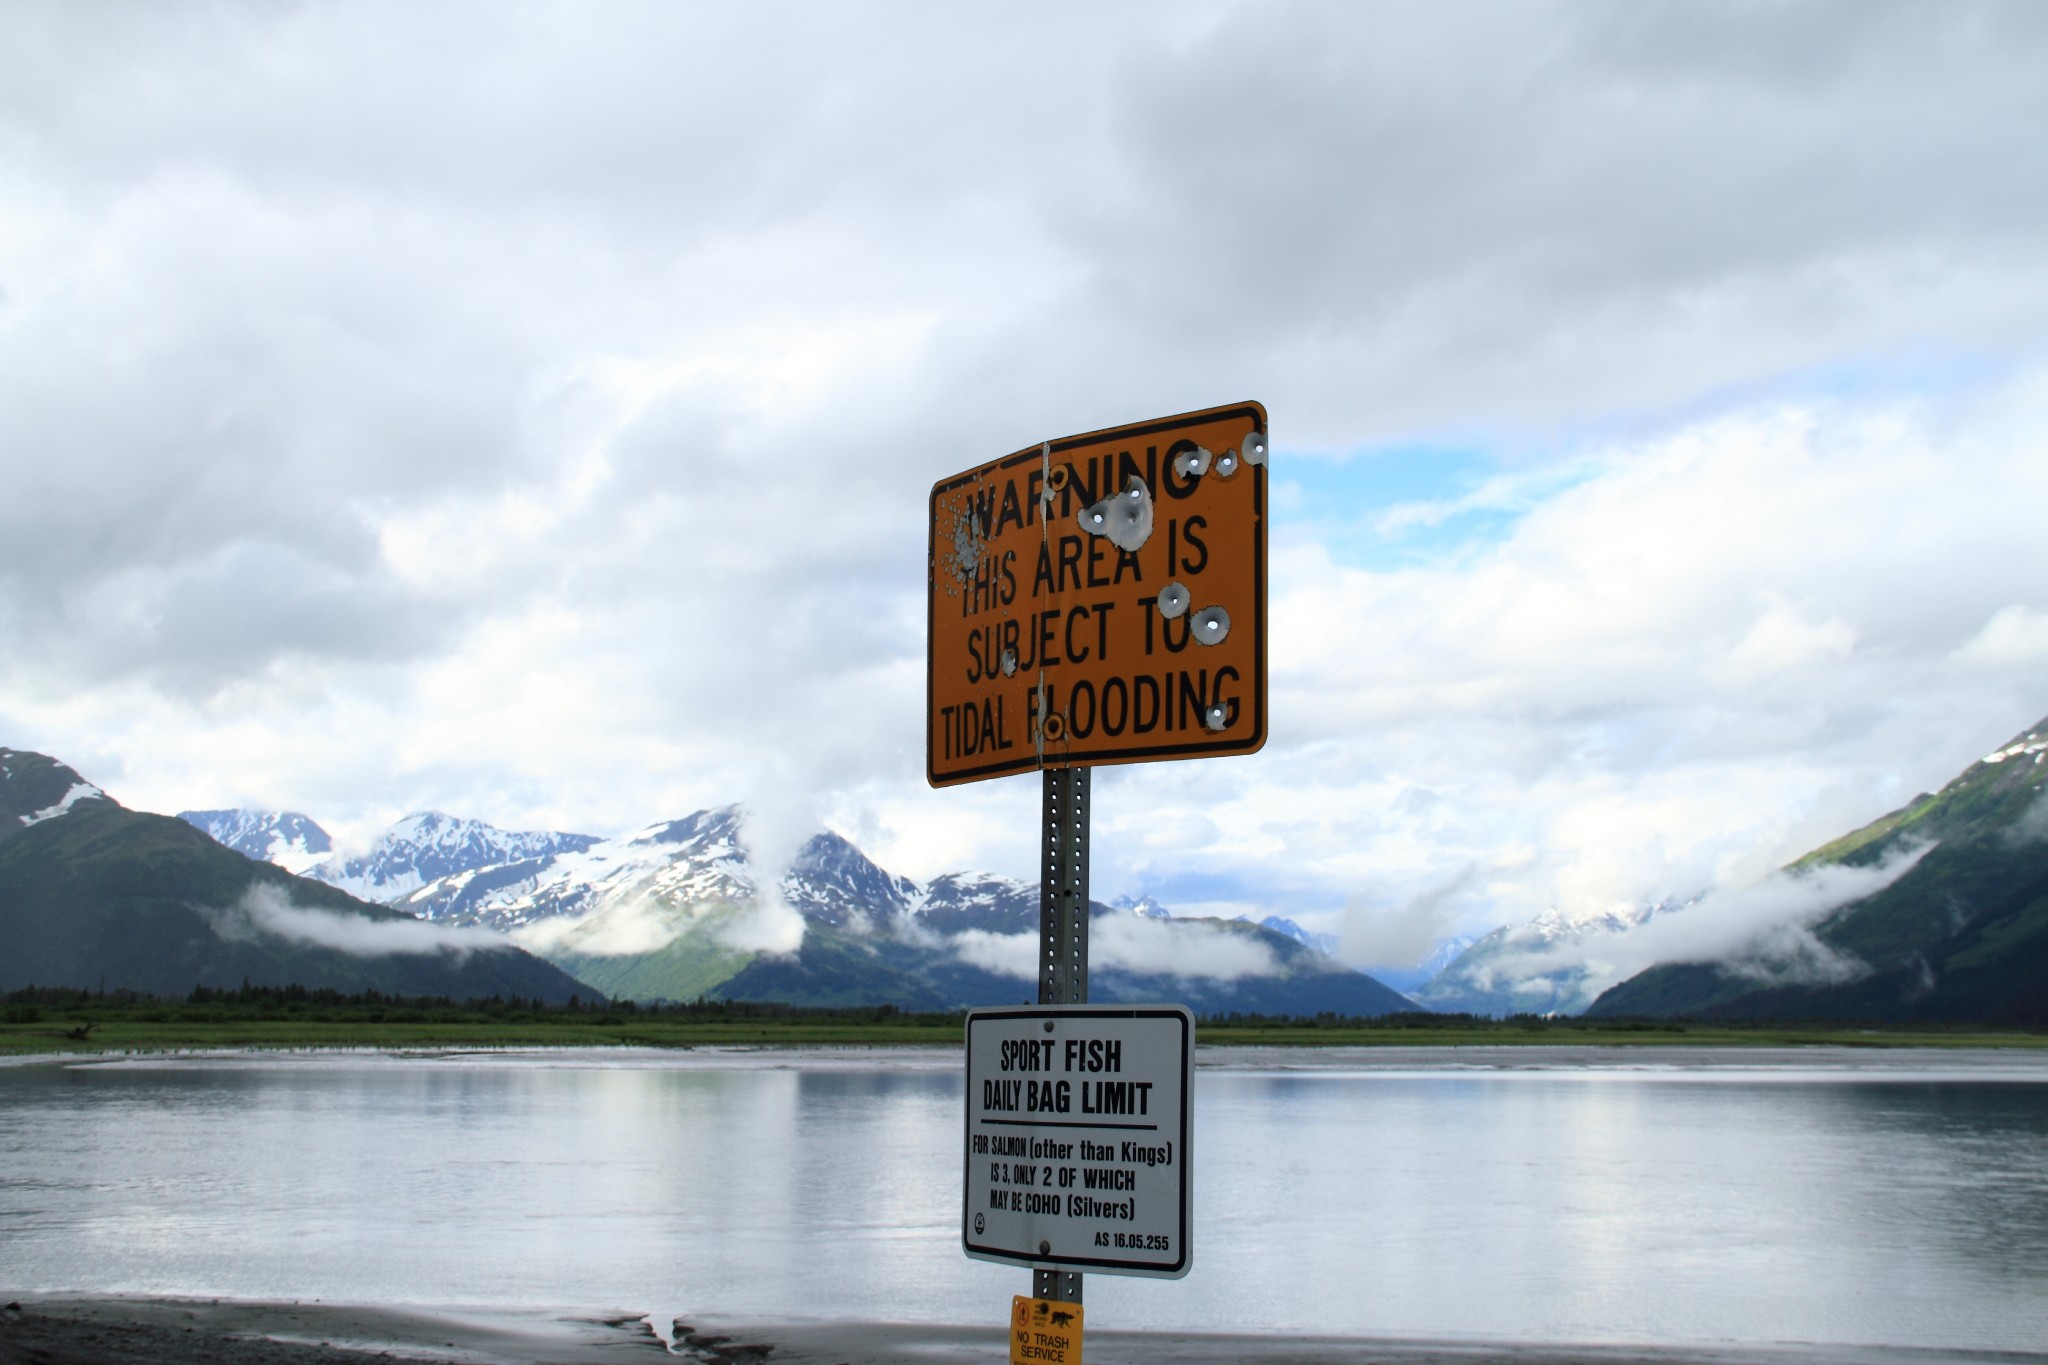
(1470, 1030)
(72, 1021)
(68, 1021)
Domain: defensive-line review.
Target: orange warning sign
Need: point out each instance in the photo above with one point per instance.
(1044, 1332)
(1100, 599)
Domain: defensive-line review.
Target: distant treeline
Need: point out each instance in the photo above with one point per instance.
(207, 1003)
(1424, 1019)
(211, 1004)
(253, 1003)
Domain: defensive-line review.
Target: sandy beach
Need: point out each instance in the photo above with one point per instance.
(107, 1330)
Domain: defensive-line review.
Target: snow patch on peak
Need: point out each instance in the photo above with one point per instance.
(2020, 748)
(704, 830)
(1322, 943)
(428, 845)
(283, 837)
(80, 791)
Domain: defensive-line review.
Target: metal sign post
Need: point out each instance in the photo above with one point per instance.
(1063, 935)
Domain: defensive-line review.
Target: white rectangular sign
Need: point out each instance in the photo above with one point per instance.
(1078, 1119)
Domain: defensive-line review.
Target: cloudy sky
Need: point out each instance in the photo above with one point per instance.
(528, 411)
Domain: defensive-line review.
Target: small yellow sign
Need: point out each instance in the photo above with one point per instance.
(1044, 1332)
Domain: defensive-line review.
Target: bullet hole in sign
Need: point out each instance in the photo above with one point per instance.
(1125, 519)
(1209, 626)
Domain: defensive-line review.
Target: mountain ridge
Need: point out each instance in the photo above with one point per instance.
(676, 909)
(92, 894)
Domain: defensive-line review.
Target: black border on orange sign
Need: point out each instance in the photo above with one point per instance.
(1151, 754)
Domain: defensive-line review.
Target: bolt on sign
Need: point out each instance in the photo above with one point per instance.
(1100, 599)
(1077, 1138)
(1044, 1331)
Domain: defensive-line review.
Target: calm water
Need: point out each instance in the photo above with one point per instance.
(1799, 1196)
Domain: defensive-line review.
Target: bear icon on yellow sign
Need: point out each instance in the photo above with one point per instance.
(1044, 1332)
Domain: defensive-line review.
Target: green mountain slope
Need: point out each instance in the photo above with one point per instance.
(694, 965)
(100, 895)
(1962, 935)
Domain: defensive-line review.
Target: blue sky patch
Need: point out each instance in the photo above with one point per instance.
(1409, 506)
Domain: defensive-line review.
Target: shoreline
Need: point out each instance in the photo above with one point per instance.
(113, 1329)
(1557, 1057)
(91, 1029)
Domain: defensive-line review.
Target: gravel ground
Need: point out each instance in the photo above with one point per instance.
(107, 1330)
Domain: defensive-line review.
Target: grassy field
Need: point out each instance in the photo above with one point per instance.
(75, 1022)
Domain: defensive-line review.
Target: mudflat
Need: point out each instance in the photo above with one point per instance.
(117, 1330)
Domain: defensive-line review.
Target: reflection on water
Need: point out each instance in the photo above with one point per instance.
(1846, 1198)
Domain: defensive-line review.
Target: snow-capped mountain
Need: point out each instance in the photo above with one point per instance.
(1410, 979)
(698, 860)
(832, 882)
(1445, 953)
(1323, 943)
(427, 846)
(284, 837)
(959, 901)
(695, 860)
(1539, 967)
(676, 910)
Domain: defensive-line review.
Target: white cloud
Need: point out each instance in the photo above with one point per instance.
(627, 926)
(1763, 931)
(1130, 943)
(1403, 934)
(1190, 948)
(635, 924)
(1004, 954)
(2016, 635)
(766, 924)
(267, 910)
(452, 408)
(1782, 641)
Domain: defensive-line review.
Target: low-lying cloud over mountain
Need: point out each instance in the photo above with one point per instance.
(680, 909)
(94, 894)
(267, 910)
(1939, 911)
(1213, 949)
(1764, 931)
(1557, 965)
